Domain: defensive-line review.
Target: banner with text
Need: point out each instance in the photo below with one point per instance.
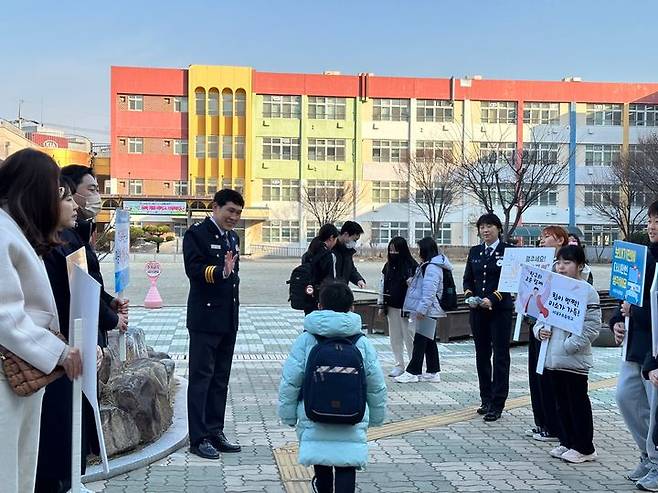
(629, 263)
(121, 250)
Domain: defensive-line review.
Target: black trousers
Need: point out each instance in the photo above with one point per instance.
(210, 360)
(424, 349)
(574, 410)
(542, 398)
(345, 479)
(492, 330)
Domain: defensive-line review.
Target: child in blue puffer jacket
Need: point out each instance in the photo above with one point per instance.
(329, 447)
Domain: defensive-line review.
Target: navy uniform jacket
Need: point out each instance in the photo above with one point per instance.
(482, 274)
(213, 302)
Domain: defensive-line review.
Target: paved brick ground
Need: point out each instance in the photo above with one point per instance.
(466, 456)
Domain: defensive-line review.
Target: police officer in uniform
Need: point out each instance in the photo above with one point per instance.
(490, 317)
(211, 252)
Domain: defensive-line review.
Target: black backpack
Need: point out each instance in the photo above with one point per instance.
(448, 298)
(301, 287)
(334, 387)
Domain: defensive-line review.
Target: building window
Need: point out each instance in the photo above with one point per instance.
(200, 100)
(434, 110)
(180, 104)
(541, 153)
(498, 112)
(541, 113)
(600, 234)
(548, 197)
(213, 102)
(602, 154)
(213, 146)
(281, 190)
(326, 149)
(429, 150)
(644, 115)
(227, 147)
(497, 152)
(136, 145)
(200, 187)
(107, 187)
(227, 102)
(200, 146)
(284, 148)
(320, 108)
(601, 194)
(135, 103)
(443, 236)
(505, 195)
(236, 184)
(390, 151)
(391, 110)
(240, 103)
(383, 232)
(239, 146)
(280, 231)
(604, 114)
(136, 187)
(385, 192)
(211, 186)
(181, 188)
(281, 106)
(180, 147)
(325, 190)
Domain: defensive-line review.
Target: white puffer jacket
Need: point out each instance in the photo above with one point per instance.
(425, 290)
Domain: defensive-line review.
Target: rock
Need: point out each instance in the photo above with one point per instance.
(120, 431)
(142, 390)
(135, 343)
(151, 353)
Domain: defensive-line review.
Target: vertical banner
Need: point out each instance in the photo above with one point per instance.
(654, 313)
(629, 262)
(121, 250)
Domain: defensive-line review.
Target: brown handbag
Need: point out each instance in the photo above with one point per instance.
(24, 379)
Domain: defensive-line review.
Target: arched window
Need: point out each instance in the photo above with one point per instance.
(227, 102)
(240, 102)
(213, 102)
(200, 99)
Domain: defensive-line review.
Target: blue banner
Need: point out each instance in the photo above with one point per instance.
(628, 270)
(121, 250)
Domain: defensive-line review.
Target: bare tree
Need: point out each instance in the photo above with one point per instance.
(643, 162)
(618, 195)
(328, 201)
(433, 185)
(498, 175)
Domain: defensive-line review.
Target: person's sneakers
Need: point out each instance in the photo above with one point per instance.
(543, 436)
(406, 377)
(649, 482)
(532, 431)
(641, 470)
(396, 371)
(576, 457)
(492, 415)
(430, 377)
(558, 451)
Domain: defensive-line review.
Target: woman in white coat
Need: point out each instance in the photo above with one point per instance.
(29, 216)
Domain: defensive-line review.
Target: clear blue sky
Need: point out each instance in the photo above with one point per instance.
(56, 55)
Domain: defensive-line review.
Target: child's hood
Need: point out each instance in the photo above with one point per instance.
(328, 323)
(442, 261)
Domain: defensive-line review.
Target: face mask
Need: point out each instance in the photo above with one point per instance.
(351, 244)
(92, 203)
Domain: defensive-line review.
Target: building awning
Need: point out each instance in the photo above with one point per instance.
(573, 230)
(527, 231)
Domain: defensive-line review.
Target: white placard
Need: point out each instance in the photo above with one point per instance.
(514, 258)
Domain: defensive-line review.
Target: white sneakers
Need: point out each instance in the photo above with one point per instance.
(396, 371)
(430, 377)
(407, 377)
(558, 451)
(571, 455)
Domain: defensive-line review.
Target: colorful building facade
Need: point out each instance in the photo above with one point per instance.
(185, 133)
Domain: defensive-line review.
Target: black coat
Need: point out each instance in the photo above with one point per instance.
(395, 281)
(322, 264)
(639, 328)
(482, 274)
(345, 269)
(213, 302)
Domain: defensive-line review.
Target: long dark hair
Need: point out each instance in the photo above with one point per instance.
(29, 189)
(402, 247)
(427, 249)
(326, 232)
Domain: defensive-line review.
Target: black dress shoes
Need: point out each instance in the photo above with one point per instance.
(492, 415)
(483, 409)
(223, 445)
(205, 450)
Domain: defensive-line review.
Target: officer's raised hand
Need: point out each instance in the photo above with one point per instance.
(229, 263)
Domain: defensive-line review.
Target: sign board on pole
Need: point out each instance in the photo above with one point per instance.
(629, 262)
(121, 250)
(510, 273)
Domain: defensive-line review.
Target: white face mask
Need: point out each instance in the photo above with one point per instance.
(92, 203)
(351, 244)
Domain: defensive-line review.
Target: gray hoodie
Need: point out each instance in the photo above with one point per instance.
(425, 290)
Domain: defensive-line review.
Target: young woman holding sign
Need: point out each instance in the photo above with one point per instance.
(568, 360)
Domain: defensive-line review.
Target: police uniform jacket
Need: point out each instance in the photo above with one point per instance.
(212, 305)
(482, 274)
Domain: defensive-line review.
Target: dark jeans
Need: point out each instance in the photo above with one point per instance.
(541, 393)
(210, 361)
(492, 330)
(424, 349)
(574, 410)
(345, 479)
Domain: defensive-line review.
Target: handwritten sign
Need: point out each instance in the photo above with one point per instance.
(552, 298)
(513, 259)
(629, 263)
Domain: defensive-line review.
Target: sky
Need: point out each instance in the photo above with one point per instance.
(56, 56)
